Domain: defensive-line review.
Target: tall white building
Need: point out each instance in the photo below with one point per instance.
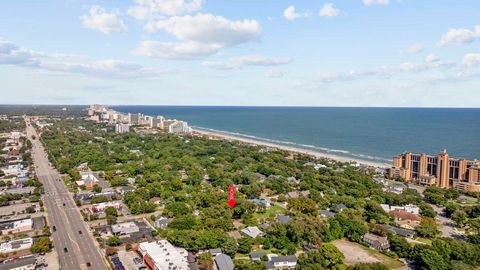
(179, 127)
(122, 128)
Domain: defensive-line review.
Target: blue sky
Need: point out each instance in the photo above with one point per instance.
(210, 52)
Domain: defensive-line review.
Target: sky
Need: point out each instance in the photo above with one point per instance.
(373, 53)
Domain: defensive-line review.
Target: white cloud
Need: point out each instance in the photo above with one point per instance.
(248, 60)
(381, 72)
(459, 36)
(12, 54)
(152, 9)
(198, 35)
(471, 59)
(171, 50)
(103, 21)
(415, 48)
(272, 73)
(329, 11)
(291, 14)
(432, 58)
(375, 2)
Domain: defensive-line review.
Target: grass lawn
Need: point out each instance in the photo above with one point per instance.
(424, 240)
(355, 253)
(270, 212)
(68, 182)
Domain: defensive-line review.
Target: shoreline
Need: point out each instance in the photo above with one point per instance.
(314, 153)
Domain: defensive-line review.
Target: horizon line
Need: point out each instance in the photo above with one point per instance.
(244, 106)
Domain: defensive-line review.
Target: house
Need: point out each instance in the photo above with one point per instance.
(88, 180)
(341, 207)
(215, 251)
(411, 208)
(124, 189)
(283, 219)
(252, 231)
(382, 181)
(156, 200)
(327, 214)
(264, 226)
(399, 231)
(282, 262)
(261, 202)
(377, 242)
(405, 219)
(261, 177)
(183, 174)
(224, 262)
(296, 194)
(257, 256)
(235, 235)
(397, 188)
(292, 179)
(162, 222)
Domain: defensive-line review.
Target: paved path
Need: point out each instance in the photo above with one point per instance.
(73, 243)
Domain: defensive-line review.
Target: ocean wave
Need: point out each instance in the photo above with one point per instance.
(343, 153)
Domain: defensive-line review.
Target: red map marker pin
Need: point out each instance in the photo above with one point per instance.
(231, 201)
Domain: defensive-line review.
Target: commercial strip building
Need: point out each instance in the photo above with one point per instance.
(17, 226)
(161, 255)
(125, 228)
(16, 245)
(440, 170)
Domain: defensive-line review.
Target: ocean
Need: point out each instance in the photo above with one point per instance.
(372, 134)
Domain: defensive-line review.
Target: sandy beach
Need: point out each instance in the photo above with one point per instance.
(289, 148)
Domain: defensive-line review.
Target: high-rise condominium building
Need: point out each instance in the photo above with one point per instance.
(122, 128)
(440, 170)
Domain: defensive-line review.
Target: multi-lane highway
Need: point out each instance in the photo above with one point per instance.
(73, 242)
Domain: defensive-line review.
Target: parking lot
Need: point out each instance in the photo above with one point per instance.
(17, 208)
(128, 257)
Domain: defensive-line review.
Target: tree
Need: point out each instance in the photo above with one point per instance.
(428, 259)
(114, 241)
(43, 244)
(427, 228)
(97, 188)
(460, 218)
(327, 257)
(111, 219)
(205, 261)
(177, 209)
(399, 245)
(244, 245)
(427, 210)
(186, 222)
(111, 211)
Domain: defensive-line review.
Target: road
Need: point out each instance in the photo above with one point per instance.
(72, 241)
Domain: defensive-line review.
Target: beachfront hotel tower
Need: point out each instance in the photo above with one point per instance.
(440, 170)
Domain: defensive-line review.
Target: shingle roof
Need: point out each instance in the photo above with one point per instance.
(257, 254)
(289, 258)
(224, 262)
